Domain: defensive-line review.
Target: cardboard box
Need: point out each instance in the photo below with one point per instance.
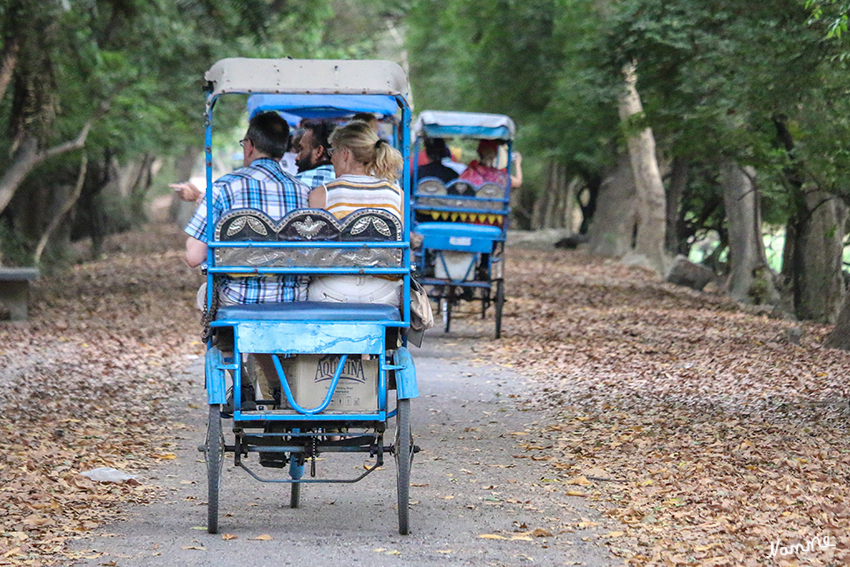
(310, 375)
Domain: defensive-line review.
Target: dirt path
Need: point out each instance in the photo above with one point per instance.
(472, 478)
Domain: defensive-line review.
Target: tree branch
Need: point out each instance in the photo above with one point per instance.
(66, 208)
(28, 155)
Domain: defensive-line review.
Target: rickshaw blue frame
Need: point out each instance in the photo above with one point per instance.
(310, 88)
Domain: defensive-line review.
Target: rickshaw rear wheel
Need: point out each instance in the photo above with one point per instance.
(214, 451)
(500, 302)
(446, 308)
(403, 453)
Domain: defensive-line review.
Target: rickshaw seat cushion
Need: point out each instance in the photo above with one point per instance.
(309, 311)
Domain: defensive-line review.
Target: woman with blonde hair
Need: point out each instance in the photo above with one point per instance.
(366, 169)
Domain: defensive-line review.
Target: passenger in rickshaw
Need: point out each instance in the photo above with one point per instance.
(435, 151)
(366, 170)
(313, 160)
(260, 184)
(483, 169)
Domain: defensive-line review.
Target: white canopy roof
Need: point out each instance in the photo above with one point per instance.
(473, 124)
(307, 76)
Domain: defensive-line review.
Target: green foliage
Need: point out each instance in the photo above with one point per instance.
(134, 69)
(536, 61)
(830, 14)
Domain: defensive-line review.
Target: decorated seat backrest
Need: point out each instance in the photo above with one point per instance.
(309, 226)
(451, 202)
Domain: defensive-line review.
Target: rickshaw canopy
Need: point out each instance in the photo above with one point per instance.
(479, 125)
(306, 76)
(295, 107)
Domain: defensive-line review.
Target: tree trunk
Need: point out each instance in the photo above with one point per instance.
(818, 281)
(611, 231)
(840, 335)
(7, 67)
(551, 194)
(651, 205)
(570, 209)
(587, 198)
(539, 212)
(675, 191)
(750, 279)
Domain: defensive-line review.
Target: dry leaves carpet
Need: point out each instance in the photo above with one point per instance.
(715, 435)
(82, 386)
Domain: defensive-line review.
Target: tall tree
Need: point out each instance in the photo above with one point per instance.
(651, 217)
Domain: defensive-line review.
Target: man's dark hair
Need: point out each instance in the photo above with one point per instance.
(269, 133)
(435, 149)
(322, 130)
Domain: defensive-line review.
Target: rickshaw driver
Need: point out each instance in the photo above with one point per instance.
(313, 160)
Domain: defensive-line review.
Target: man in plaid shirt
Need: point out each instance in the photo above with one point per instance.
(313, 161)
(260, 184)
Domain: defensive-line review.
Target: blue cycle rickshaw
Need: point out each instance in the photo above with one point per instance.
(343, 378)
(461, 226)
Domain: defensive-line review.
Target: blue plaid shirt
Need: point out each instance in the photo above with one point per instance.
(265, 186)
(317, 176)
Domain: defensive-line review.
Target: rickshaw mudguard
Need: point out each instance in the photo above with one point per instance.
(405, 374)
(460, 237)
(215, 377)
(313, 337)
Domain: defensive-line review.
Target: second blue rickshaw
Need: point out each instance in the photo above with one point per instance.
(461, 228)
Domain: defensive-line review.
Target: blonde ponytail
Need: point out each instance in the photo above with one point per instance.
(380, 158)
(388, 161)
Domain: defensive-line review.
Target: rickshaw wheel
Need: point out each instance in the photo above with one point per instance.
(214, 446)
(403, 453)
(500, 302)
(446, 308)
(296, 471)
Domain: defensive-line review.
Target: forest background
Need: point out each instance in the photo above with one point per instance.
(649, 128)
